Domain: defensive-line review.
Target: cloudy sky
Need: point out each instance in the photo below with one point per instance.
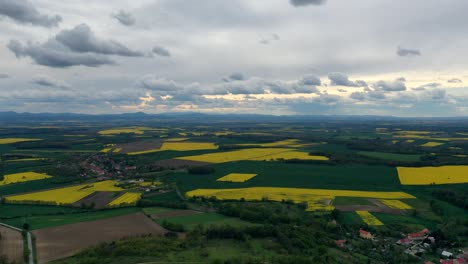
(281, 57)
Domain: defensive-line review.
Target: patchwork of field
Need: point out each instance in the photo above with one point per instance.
(23, 177)
(433, 175)
(369, 219)
(390, 156)
(289, 143)
(316, 199)
(237, 177)
(11, 244)
(25, 160)
(129, 130)
(16, 140)
(66, 195)
(59, 242)
(258, 154)
(396, 204)
(178, 146)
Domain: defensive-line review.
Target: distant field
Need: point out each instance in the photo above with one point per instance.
(369, 219)
(316, 199)
(193, 220)
(433, 175)
(432, 144)
(38, 222)
(16, 140)
(23, 177)
(17, 210)
(65, 195)
(254, 154)
(237, 177)
(178, 146)
(390, 156)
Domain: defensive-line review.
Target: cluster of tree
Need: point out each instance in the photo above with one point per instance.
(458, 198)
(201, 170)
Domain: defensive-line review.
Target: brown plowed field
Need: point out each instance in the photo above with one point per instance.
(63, 241)
(100, 200)
(11, 244)
(370, 208)
(139, 146)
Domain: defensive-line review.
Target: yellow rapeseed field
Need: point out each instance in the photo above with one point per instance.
(128, 198)
(105, 150)
(431, 144)
(313, 197)
(23, 177)
(178, 146)
(66, 195)
(175, 139)
(15, 140)
(253, 154)
(237, 177)
(26, 159)
(369, 219)
(433, 175)
(117, 150)
(396, 204)
(290, 143)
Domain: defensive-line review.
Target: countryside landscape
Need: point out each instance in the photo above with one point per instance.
(233, 132)
(234, 191)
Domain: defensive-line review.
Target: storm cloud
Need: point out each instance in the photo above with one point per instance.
(23, 12)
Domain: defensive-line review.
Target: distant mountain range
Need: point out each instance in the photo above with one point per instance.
(188, 117)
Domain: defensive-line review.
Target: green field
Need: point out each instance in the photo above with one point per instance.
(38, 222)
(13, 210)
(390, 156)
(191, 221)
(277, 174)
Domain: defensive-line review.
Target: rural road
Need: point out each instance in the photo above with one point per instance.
(30, 245)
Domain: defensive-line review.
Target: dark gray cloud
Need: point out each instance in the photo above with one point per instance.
(77, 46)
(338, 78)
(58, 58)
(268, 39)
(161, 51)
(310, 79)
(237, 76)
(23, 12)
(403, 52)
(299, 3)
(82, 39)
(125, 18)
(454, 80)
(4, 76)
(44, 80)
(438, 94)
(389, 86)
(43, 55)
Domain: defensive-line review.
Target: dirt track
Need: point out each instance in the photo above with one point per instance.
(59, 242)
(11, 244)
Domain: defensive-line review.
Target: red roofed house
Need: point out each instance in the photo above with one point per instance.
(340, 243)
(365, 234)
(453, 261)
(404, 241)
(416, 236)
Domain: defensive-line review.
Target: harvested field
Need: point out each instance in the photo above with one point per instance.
(100, 200)
(11, 244)
(64, 241)
(179, 164)
(138, 146)
(174, 214)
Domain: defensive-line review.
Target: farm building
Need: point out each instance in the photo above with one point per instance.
(365, 234)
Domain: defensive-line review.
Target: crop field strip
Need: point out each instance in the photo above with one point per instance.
(237, 177)
(16, 140)
(258, 154)
(396, 204)
(369, 219)
(433, 175)
(317, 199)
(23, 177)
(128, 198)
(178, 146)
(65, 195)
